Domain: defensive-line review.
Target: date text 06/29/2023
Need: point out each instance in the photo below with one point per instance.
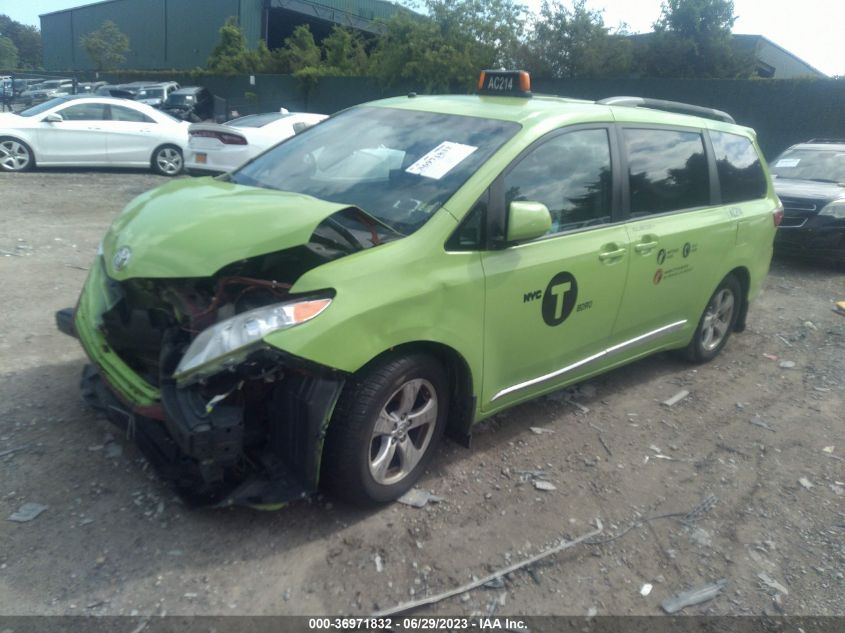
(416, 624)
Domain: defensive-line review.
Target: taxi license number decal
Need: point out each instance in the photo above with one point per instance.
(441, 160)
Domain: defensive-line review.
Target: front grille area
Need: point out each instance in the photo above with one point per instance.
(798, 207)
(134, 332)
(790, 222)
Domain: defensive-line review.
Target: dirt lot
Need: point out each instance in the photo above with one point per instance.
(752, 433)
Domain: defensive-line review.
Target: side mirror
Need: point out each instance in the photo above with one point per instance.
(527, 221)
(54, 117)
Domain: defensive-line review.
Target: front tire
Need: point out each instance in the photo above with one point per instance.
(167, 160)
(716, 324)
(385, 428)
(15, 155)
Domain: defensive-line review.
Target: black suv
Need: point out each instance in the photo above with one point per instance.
(810, 181)
(191, 103)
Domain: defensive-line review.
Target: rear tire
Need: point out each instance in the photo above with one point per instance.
(167, 160)
(15, 155)
(385, 428)
(716, 324)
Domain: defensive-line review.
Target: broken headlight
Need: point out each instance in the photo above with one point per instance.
(233, 338)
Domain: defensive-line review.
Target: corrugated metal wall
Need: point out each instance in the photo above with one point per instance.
(192, 30)
(162, 33)
(368, 9)
(176, 33)
(252, 21)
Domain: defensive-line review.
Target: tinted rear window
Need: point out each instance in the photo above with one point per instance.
(257, 120)
(667, 171)
(741, 175)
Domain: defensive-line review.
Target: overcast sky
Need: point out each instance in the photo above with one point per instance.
(810, 29)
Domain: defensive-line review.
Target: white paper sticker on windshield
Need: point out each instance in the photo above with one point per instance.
(788, 162)
(441, 160)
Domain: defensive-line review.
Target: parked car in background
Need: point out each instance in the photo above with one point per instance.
(83, 131)
(43, 91)
(810, 181)
(156, 94)
(214, 148)
(22, 84)
(117, 91)
(89, 87)
(191, 103)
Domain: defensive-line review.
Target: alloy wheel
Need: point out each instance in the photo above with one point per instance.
(717, 319)
(14, 156)
(403, 431)
(169, 161)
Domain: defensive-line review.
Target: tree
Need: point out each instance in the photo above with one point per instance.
(692, 38)
(574, 43)
(8, 53)
(229, 53)
(300, 51)
(27, 40)
(107, 46)
(344, 53)
(230, 56)
(448, 47)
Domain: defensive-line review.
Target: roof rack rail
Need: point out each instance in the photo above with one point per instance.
(826, 140)
(670, 106)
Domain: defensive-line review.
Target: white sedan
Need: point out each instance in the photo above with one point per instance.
(79, 131)
(214, 148)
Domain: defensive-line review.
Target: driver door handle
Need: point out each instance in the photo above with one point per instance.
(644, 247)
(612, 255)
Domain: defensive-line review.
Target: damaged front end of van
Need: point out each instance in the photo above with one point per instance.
(175, 316)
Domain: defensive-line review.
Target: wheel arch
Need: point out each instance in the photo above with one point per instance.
(462, 400)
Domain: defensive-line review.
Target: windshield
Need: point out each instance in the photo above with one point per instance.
(150, 93)
(177, 99)
(826, 165)
(41, 107)
(397, 165)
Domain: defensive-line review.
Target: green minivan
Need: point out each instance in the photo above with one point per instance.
(323, 315)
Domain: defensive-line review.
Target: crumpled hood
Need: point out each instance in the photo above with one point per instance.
(192, 228)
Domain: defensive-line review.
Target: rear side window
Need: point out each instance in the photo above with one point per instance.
(741, 175)
(119, 113)
(667, 171)
(571, 175)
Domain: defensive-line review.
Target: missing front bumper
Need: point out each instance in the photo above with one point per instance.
(217, 460)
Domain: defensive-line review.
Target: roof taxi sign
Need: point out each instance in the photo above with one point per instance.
(506, 83)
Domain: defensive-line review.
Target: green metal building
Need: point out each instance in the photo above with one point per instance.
(182, 33)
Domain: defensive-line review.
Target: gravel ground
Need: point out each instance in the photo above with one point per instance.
(760, 441)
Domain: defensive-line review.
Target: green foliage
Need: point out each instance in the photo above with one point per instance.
(8, 53)
(231, 57)
(345, 53)
(444, 47)
(27, 41)
(692, 39)
(299, 52)
(107, 46)
(574, 44)
(342, 53)
(451, 45)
